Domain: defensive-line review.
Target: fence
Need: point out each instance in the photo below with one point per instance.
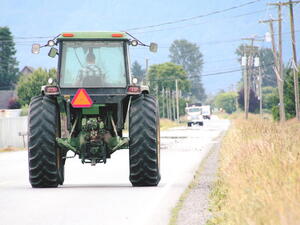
(13, 131)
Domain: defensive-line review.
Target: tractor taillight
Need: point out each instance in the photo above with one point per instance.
(51, 90)
(117, 35)
(134, 90)
(68, 35)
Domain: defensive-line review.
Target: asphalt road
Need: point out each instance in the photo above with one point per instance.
(103, 194)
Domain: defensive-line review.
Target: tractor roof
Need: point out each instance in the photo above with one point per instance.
(93, 35)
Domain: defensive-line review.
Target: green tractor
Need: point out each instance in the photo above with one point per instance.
(85, 108)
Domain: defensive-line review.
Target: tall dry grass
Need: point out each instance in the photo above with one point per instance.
(259, 175)
(166, 124)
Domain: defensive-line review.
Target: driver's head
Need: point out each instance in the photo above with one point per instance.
(90, 58)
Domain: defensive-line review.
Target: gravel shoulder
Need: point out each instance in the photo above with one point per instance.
(194, 202)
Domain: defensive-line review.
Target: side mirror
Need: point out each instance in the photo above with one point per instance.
(153, 47)
(35, 48)
(53, 52)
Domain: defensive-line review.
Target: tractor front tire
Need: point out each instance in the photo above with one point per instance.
(46, 166)
(144, 141)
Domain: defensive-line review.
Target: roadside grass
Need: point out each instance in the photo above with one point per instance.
(240, 115)
(11, 149)
(167, 124)
(224, 115)
(259, 174)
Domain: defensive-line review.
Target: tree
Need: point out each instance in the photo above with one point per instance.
(289, 96)
(226, 101)
(30, 85)
(162, 77)
(253, 101)
(270, 97)
(188, 55)
(137, 71)
(9, 71)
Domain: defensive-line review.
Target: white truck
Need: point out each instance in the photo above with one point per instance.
(206, 112)
(194, 115)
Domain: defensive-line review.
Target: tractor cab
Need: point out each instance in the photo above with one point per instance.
(95, 61)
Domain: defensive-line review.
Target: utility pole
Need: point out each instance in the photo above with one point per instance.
(260, 90)
(147, 65)
(177, 101)
(257, 65)
(163, 102)
(170, 104)
(277, 70)
(295, 69)
(146, 72)
(280, 62)
(167, 103)
(245, 78)
(174, 105)
(248, 72)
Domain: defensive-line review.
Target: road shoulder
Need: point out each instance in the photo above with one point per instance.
(193, 204)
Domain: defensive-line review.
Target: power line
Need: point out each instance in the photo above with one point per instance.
(212, 74)
(196, 24)
(25, 38)
(29, 42)
(194, 17)
(203, 75)
(172, 28)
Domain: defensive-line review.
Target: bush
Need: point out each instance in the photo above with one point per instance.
(30, 85)
(289, 97)
(25, 110)
(226, 101)
(270, 97)
(13, 103)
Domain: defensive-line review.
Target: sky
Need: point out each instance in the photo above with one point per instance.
(216, 35)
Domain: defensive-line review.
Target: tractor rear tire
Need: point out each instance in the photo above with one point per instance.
(144, 141)
(46, 166)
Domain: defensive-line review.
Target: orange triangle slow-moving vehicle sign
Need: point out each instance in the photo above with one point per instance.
(81, 99)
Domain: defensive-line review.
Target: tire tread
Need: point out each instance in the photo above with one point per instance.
(143, 147)
(42, 156)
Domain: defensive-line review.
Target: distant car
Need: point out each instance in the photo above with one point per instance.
(194, 115)
(206, 112)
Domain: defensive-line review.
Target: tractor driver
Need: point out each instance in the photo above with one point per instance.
(91, 75)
